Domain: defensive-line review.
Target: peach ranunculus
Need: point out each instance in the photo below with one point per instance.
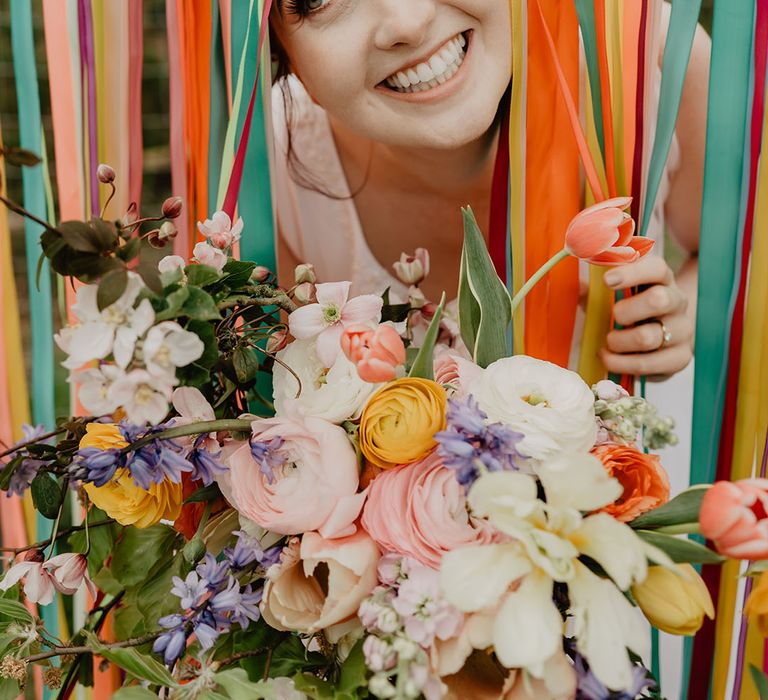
(377, 353)
(295, 475)
(319, 583)
(645, 481)
(603, 234)
(129, 504)
(420, 510)
(734, 515)
(399, 422)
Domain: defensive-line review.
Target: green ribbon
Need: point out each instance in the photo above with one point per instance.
(585, 9)
(255, 200)
(218, 109)
(677, 52)
(40, 305)
(721, 216)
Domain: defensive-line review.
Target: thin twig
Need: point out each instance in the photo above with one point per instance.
(63, 651)
(42, 544)
(21, 445)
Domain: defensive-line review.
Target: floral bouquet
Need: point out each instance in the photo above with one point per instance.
(410, 512)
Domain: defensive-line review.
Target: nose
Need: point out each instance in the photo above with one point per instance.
(403, 22)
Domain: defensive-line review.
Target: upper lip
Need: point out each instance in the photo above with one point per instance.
(424, 58)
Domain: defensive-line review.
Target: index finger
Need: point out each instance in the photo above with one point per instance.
(646, 270)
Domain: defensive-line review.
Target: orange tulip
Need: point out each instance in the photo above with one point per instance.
(603, 234)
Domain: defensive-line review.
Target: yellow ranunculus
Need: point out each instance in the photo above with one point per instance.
(675, 603)
(104, 436)
(400, 420)
(757, 604)
(122, 500)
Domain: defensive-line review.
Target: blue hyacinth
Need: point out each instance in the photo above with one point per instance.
(471, 447)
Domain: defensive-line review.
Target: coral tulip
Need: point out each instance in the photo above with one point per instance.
(377, 353)
(734, 515)
(603, 234)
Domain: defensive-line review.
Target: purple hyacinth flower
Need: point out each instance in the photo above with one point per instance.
(213, 572)
(171, 645)
(97, 466)
(191, 590)
(591, 688)
(267, 456)
(205, 464)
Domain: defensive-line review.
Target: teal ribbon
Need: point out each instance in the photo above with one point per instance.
(255, 200)
(218, 109)
(721, 217)
(40, 304)
(585, 9)
(677, 52)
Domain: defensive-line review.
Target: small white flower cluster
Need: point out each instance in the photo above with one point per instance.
(403, 618)
(620, 417)
(120, 358)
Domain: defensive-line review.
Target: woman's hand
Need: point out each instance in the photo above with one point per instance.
(640, 347)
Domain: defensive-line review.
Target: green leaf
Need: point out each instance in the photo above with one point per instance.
(130, 250)
(201, 275)
(140, 665)
(175, 301)
(105, 234)
(760, 680)
(15, 610)
(235, 682)
(396, 313)
(204, 494)
(479, 278)
(246, 364)
(354, 672)
(128, 620)
(314, 687)
(153, 597)
(681, 549)
(200, 306)
(288, 658)
(9, 689)
(79, 236)
(134, 692)
(237, 273)
(681, 510)
(8, 470)
(19, 156)
(111, 287)
(423, 365)
(46, 495)
(150, 276)
(469, 311)
(138, 550)
(102, 540)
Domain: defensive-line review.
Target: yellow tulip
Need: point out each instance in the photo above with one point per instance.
(757, 604)
(129, 504)
(674, 603)
(399, 422)
(103, 436)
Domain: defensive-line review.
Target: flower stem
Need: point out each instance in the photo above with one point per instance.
(55, 531)
(536, 277)
(206, 426)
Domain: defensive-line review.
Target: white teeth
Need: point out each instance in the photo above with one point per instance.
(438, 69)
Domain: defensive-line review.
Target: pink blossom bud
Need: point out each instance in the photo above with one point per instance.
(304, 293)
(105, 173)
(377, 353)
(607, 390)
(130, 215)
(305, 273)
(260, 273)
(153, 238)
(168, 231)
(172, 207)
(277, 341)
(412, 269)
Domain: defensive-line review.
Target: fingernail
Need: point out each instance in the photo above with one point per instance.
(612, 279)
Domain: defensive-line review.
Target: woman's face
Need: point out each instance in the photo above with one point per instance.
(416, 73)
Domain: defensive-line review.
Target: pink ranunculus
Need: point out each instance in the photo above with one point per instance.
(734, 515)
(376, 353)
(220, 231)
(419, 510)
(333, 312)
(306, 477)
(603, 234)
(319, 583)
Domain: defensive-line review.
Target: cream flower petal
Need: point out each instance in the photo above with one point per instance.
(332, 293)
(578, 481)
(605, 626)
(363, 309)
(307, 322)
(190, 403)
(508, 492)
(528, 629)
(473, 578)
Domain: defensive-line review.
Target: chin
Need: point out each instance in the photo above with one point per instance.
(439, 134)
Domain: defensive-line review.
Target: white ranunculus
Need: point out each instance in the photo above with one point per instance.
(551, 406)
(336, 394)
(168, 346)
(112, 330)
(144, 397)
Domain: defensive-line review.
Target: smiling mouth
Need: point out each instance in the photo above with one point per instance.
(439, 68)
